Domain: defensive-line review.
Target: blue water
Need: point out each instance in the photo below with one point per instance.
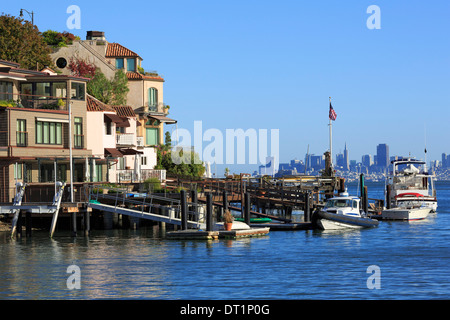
(413, 260)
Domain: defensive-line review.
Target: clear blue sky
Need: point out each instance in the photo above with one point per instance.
(273, 65)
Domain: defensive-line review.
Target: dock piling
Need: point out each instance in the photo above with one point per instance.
(209, 211)
(247, 208)
(184, 225)
(307, 208)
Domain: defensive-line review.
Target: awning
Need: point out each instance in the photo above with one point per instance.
(163, 119)
(113, 152)
(130, 152)
(113, 117)
(124, 124)
(121, 122)
(52, 120)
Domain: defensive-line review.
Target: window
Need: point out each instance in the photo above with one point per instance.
(43, 89)
(152, 97)
(119, 63)
(6, 90)
(78, 91)
(18, 171)
(121, 164)
(59, 90)
(61, 63)
(98, 175)
(78, 133)
(143, 161)
(151, 136)
(131, 65)
(108, 128)
(48, 132)
(21, 133)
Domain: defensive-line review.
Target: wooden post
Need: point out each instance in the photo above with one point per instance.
(209, 210)
(388, 193)
(247, 207)
(74, 224)
(307, 209)
(184, 210)
(87, 223)
(28, 224)
(224, 204)
(361, 177)
(194, 200)
(366, 200)
(19, 225)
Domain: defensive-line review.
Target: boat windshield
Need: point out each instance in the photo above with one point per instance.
(341, 203)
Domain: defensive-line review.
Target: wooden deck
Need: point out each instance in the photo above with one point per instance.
(219, 234)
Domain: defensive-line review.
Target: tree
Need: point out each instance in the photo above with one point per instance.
(21, 42)
(100, 88)
(59, 39)
(81, 68)
(119, 86)
(107, 91)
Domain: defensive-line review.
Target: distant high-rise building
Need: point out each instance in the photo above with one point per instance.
(346, 160)
(383, 155)
(366, 160)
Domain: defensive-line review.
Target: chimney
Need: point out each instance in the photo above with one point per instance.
(95, 35)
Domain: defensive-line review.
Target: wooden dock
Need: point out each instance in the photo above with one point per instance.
(218, 234)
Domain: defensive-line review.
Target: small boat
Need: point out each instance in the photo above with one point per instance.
(342, 212)
(399, 213)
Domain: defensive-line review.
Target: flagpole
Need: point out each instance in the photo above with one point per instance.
(331, 140)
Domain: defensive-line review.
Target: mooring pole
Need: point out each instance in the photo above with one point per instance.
(28, 224)
(307, 209)
(247, 208)
(366, 200)
(224, 205)
(74, 224)
(194, 200)
(184, 210)
(87, 223)
(209, 210)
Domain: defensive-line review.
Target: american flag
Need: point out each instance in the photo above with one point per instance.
(332, 114)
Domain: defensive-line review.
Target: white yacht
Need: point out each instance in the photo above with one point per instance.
(410, 186)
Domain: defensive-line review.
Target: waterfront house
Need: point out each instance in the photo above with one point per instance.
(34, 127)
(118, 154)
(146, 88)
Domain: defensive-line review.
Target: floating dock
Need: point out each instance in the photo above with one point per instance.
(219, 234)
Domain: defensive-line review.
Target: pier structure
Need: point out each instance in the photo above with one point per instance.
(269, 198)
(198, 206)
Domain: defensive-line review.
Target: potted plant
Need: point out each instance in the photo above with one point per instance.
(227, 220)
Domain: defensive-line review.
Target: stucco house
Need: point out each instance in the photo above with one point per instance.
(146, 89)
(34, 127)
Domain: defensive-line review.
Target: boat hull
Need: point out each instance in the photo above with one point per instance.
(332, 221)
(405, 214)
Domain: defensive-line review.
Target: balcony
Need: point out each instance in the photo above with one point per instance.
(125, 139)
(33, 102)
(159, 107)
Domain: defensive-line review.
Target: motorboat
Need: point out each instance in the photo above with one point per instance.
(342, 212)
(405, 213)
(410, 185)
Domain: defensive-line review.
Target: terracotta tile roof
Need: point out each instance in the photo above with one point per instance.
(92, 104)
(138, 76)
(124, 111)
(116, 50)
